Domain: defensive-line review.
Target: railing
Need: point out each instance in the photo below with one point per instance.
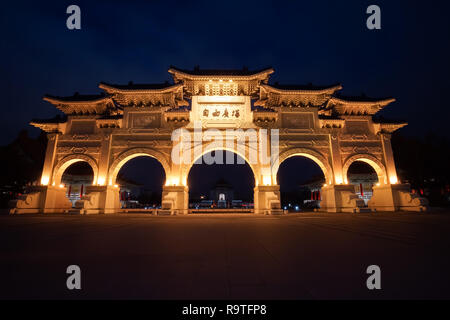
(138, 210)
(220, 211)
(191, 211)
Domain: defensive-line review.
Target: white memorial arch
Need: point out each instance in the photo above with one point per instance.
(133, 120)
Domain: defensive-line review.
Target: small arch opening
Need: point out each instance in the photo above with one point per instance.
(363, 176)
(76, 178)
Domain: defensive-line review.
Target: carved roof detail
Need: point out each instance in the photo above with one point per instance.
(388, 127)
(163, 95)
(355, 106)
(81, 104)
(172, 99)
(294, 96)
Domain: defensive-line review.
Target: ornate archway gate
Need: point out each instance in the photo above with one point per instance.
(132, 120)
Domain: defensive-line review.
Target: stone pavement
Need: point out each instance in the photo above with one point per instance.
(296, 256)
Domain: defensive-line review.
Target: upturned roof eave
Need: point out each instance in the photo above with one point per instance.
(113, 88)
(190, 75)
(330, 90)
(62, 100)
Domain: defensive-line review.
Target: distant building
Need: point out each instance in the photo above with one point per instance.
(76, 185)
(222, 194)
(76, 188)
(363, 183)
(311, 191)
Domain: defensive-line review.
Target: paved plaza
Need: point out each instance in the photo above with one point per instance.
(295, 256)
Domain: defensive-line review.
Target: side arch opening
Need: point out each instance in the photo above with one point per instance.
(140, 179)
(300, 179)
(370, 160)
(130, 154)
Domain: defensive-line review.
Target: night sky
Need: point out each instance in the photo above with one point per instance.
(319, 42)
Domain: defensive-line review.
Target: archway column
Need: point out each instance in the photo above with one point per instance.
(340, 198)
(175, 193)
(388, 155)
(267, 200)
(335, 154)
(99, 199)
(396, 197)
(50, 155)
(48, 197)
(42, 199)
(104, 159)
(175, 200)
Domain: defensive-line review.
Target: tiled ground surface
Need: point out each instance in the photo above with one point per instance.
(302, 256)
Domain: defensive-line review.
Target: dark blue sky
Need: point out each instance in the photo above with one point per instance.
(322, 42)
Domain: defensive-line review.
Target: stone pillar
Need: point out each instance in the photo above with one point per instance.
(42, 199)
(104, 158)
(267, 200)
(175, 200)
(50, 153)
(336, 160)
(340, 198)
(99, 199)
(394, 197)
(45, 198)
(56, 200)
(391, 172)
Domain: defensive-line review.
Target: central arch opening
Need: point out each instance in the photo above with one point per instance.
(140, 181)
(221, 186)
(301, 180)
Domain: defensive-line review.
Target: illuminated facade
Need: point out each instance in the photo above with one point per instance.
(134, 120)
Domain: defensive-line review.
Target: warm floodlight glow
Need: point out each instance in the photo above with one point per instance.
(325, 185)
(101, 181)
(61, 185)
(393, 180)
(44, 180)
(267, 180)
(378, 184)
(116, 186)
(339, 180)
(172, 182)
